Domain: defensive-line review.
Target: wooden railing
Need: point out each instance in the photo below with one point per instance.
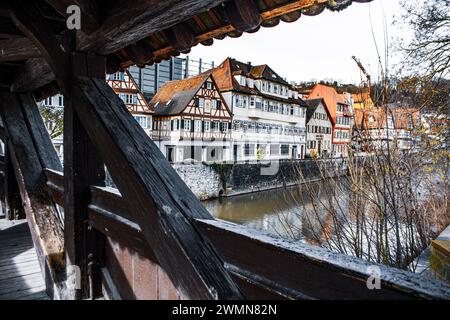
(264, 267)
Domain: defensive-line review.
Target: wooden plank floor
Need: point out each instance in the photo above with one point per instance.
(20, 274)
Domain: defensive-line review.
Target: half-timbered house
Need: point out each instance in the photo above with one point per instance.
(192, 120)
(127, 89)
(319, 126)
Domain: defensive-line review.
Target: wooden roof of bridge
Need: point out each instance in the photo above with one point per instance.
(130, 32)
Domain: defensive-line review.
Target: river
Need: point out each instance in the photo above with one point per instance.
(278, 212)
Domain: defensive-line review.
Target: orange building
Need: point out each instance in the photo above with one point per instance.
(341, 111)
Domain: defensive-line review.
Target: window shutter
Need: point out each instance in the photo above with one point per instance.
(203, 126)
(197, 102)
(134, 98)
(171, 125)
(192, 125)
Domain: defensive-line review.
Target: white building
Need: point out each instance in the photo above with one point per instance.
(268, 116)
(319, 129)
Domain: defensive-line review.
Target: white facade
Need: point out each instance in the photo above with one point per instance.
(266, 126)
(319, 134)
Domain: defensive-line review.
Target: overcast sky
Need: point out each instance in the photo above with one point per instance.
(314, 48)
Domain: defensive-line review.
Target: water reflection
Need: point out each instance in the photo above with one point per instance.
(279, 212)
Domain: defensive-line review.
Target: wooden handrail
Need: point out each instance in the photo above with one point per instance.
(266, 266)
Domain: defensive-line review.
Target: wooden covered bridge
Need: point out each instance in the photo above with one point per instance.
(151, 238)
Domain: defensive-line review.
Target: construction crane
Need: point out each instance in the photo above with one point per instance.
(369, 78)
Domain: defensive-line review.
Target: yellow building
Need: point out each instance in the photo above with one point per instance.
(362, 100)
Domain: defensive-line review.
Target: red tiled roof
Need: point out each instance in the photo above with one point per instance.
(330, 96)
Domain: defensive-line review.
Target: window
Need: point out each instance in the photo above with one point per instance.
(197, 125)
(216, 104)
(215, 126)
(207, 126)
(275, 149)
(264, 85)
(249, 150)
(143, 121)
(252, 102)
(284, 149)
(128, 98)
(176, 125)
(275, 89)
(187, 125)
(201, 102)
(119, 76)
(224, 127)
(208, 85)
(61, 101)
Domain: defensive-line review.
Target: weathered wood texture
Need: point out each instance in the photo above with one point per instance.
(13, 202)
(20, 274)
(40, 209)
(265, 267)
(28, 19)
(136, 277)
(18, 49)
(83, 167)
(163, 205)
(312, 272)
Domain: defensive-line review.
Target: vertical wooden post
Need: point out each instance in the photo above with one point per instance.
(83, 167)
(13, 201)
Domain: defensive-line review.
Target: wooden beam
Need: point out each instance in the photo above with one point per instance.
(13, 203)
(244, 16)
(180, 37)
(39, 133)
(40, 209)
(83, 167)
(163, 205)
(35, 74)
(26, 16)
(18, 49)
(137, 19)
(140, 53)
(311, 271)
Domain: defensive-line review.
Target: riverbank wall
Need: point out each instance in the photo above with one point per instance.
(208, 181)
